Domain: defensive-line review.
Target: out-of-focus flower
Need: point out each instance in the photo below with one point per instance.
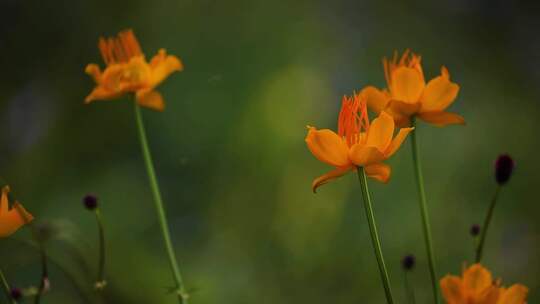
(409, 95)
(476, 286)
(11, 219)
(90, 202)
(357, 143)
(128, 71)
(475, 230)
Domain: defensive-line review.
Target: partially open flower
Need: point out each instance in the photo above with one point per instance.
(409, 95)
(128, 71)
(11, 219)
(357, 143)
(476, 286)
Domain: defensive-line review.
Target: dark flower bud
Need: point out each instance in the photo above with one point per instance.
(475, 230)
(90, 202)
(504, 165)
(16, 293)
(408, 262)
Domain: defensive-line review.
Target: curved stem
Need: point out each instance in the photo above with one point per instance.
(100, 283)
(362, 178)
(179, 285)
(484, 228)
(424, 211)
(6, 287)
(44, 279)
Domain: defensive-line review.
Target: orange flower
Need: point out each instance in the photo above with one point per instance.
(408, 94)
(11, 219)
(357, 143)
(476, 286)
(128, 71)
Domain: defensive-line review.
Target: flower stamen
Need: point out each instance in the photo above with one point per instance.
(353, 119)
(119, 49)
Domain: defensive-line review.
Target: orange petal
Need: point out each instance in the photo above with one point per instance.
(452, 290)
(379, 171)
(380, 132)
(363, 156)
(440, 92)
(441, 119)
(376, 99)
(403, 108)
(516, 294)
(407, 84)
(150, 99)
(397, 141)
(328, 177)
(162, 65)
(4, 204)
(328, 147)
(13, 219)
(477, 279)
(101, 93)
(94, 71)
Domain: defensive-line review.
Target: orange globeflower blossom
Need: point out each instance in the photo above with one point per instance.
(476, 286)
(357, 143)
(128, 71)
(409, 95)
(11, 219)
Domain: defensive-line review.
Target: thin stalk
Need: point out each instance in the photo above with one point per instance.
(101, 282)
(6, 287)
(44, 268)
(179, 284)
(484, 228)
(409, 290)
(424, 212)
(374, 234)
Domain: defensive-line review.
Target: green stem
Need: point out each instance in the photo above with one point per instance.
(374, 234)
(7, 289)
(100, 283)
(179, 285)
(424, 212)
(409, 290)
(484, 228)
(44, 268)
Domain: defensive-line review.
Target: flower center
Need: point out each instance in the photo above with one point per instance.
(353, 121)
(120, 49)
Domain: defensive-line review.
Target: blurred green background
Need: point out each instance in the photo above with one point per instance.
(230, 154)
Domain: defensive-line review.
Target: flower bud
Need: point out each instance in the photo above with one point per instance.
(475, 230)
(408, 262)
(90, 202)
(504, 165)
(16, 293)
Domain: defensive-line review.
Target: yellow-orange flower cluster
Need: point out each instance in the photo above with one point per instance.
(11, 219)
(357, 143)
(408, 94)
(128, 71)
(476, 286)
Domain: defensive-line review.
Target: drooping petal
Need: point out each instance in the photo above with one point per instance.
(397, 141)
(150, 99)
(380, 132)
(376, 99)
(452, 289)
(440, 92)
(162, 65)
(94, 71)
(477, 279)
(328, 147)
(403, 108)
(516, 294)
(407, 84)
(441, 119)
(101, 93)
(379, 171)
(328, 177)
(363, 155)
